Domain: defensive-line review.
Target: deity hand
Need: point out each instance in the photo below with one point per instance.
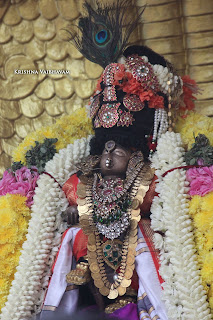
(79, 276)
(71, 216)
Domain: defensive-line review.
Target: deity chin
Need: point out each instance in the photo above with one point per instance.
(114, 170)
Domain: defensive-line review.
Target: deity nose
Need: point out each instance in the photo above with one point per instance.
(108, 162)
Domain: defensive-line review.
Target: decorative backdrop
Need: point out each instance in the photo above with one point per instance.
(32, 37)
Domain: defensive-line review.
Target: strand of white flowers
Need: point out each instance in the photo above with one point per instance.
(44, 235)
(184, 295)
(163, 75)
(26, 285)
(61, 167)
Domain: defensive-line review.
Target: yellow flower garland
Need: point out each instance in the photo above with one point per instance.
(66, 129)
(192, 125)
(201, 210)
(14, 217)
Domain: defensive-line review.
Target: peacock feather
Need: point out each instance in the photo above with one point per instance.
(104, 32)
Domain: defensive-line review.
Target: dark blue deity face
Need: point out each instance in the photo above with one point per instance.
(114, 160)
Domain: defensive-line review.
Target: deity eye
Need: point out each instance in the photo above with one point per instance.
(120, 152)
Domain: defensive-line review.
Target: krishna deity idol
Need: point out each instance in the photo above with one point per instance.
(112, 253)
(107, 257)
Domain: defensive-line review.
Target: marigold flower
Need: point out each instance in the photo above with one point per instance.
(194, 205)
(189, 88)
(194, 124)
(207, 269)
(14, 216)
(7, 268)
(201, 209)
(6, 249)
(209, 240)
(4, 285)
(66, 129)
(146, 95)
(203, 220)
(7, 218)
(207, 202)
(10, 235)
(131, 86)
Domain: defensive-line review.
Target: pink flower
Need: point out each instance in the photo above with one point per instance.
(23, 183)
(7, 180)
(201, 180)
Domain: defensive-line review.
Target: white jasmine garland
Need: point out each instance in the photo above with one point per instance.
(184, 295)
(44, 235)
(163, 75)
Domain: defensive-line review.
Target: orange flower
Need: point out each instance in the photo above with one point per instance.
(156, 102)
(146, 95)
(189, 88)
(132, 85)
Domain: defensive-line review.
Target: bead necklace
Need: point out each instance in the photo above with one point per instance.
(111, 204)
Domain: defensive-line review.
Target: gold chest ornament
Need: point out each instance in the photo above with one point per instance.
(114, 253)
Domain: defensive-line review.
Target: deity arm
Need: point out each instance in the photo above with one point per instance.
(71, 216)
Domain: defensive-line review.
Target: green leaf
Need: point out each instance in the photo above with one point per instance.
(192, 162)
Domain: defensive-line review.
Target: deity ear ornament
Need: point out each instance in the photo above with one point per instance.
(135, 159)
(87, 167)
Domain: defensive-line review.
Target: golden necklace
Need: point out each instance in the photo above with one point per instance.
(98, 250)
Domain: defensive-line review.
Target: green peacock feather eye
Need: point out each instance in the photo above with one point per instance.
(101, 35)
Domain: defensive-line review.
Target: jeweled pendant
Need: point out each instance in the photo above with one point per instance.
(112, 253)
(126, 119)
(94, 106)
(133, 103)
(108, 115)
